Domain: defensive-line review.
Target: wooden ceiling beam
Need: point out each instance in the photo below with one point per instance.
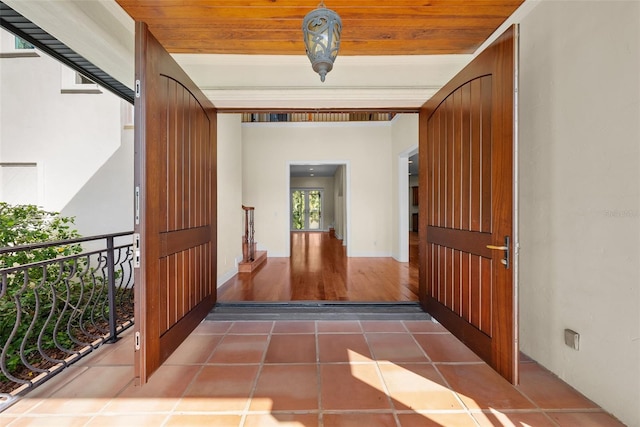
(448, 37)
(297, 13)
(390, 47)
(395, 27)
(428, 23)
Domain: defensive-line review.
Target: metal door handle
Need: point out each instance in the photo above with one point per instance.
(505, 248)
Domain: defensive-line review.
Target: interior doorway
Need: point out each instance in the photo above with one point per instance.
(407, 203)
(319, 266)
(318, 194)
(306, 209)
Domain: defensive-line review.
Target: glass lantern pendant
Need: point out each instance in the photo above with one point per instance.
(321, 28)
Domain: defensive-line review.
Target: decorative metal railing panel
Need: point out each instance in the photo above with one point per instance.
(54, 312)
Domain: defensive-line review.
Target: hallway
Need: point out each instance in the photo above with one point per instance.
(319, 270)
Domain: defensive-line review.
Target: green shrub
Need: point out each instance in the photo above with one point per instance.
(35, 292)
(27, 224)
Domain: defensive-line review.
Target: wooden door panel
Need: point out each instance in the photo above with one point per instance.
(175, 174)
(466, 150)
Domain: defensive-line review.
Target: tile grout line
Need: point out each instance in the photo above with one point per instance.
(193, 379)
(101, 411)
(47, 395)
(426, 355)
(318, 374)
(382, 381)
(467, 410)
(166, 419)
(445, 382)
(245, 411)
(544, 414)
(404, 325)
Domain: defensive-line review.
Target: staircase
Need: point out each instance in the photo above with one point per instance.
(251, 258)
(252, 265)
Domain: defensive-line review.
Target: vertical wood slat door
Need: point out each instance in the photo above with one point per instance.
(175, 158)
(466, 179)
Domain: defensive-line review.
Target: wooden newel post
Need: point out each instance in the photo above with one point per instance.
(248, 242)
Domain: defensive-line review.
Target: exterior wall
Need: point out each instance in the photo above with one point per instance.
(328, 198)
(104, 204)
(230, 213)
(76, 140)
(579, 160)
(269, 149)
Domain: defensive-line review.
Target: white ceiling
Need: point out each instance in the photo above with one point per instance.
(312, 170)
(261, 81)
(104, 34)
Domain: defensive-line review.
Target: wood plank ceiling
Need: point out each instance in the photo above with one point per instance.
(273, 27)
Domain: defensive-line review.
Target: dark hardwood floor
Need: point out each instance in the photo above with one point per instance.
(319, 270)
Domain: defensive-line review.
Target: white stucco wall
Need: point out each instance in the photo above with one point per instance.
(69, 135)
(83, 153)
(580, 196)
(269, 149)
(230, 213)
(104, 204)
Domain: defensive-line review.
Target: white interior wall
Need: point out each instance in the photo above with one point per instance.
(269, 149)
(230, 213)
(580, 196)
(339, 203)
(404, 141)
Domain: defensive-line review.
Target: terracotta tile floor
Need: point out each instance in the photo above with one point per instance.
(307, 374)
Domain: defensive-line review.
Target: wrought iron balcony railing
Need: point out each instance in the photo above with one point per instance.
(54, 312)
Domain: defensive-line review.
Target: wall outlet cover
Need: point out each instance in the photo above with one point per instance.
(572, 339)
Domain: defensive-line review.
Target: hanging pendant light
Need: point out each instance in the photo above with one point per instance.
(321, 28)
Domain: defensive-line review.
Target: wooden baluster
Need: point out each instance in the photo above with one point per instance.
(248, 243)
(252, 243)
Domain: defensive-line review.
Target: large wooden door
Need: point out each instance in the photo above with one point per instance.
(175, 180)
(466, 223)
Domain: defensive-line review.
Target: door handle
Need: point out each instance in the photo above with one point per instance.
(498, 248)
(505, 248)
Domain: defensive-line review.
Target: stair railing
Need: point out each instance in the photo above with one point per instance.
(248, 243)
